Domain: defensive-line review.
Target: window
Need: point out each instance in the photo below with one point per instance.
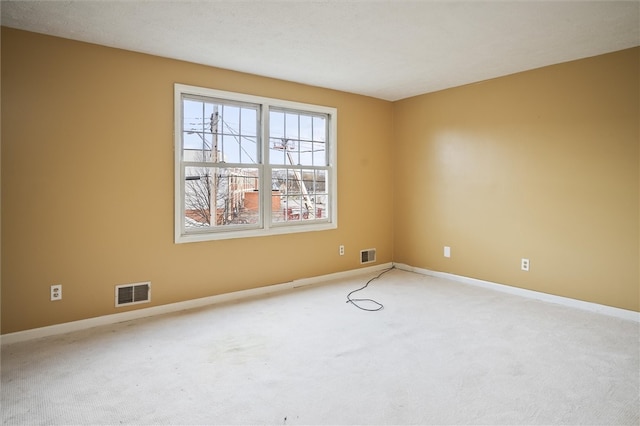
(250, 166)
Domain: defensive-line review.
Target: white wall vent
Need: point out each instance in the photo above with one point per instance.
(368, 256)
(131, 294)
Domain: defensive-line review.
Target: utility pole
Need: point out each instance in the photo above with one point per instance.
(213, 199)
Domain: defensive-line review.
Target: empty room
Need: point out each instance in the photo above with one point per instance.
(320, 212)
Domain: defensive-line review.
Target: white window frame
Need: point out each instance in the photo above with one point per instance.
(264, 227)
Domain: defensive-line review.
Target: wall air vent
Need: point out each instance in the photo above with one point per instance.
(368, 256)
(131, 294)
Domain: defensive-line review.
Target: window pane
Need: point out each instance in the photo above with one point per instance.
(306, 128)
(293, 152)
(319, 154)
(230, 120)
(277, 151)
(306, 154)
(230, 149)
(193, 118)
(249, 150)
(319, 129)
(276, 124)
(249, 122)
(211, 117)
(221, 196)
(192, 141)
(291, 126)
(296, 197)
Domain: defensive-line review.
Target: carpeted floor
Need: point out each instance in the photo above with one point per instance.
(439, 352)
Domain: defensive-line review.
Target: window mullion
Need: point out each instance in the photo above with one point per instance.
(265, 168)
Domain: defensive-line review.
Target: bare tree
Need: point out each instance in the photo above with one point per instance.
(198, 198)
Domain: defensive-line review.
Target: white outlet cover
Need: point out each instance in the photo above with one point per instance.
(56, 292)
(447, 251)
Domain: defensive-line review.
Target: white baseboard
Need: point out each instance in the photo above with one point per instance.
(573, 303)
(67, 327)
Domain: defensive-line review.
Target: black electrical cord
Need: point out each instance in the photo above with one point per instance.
(353, 301)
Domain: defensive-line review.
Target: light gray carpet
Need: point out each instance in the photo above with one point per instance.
(440, 352)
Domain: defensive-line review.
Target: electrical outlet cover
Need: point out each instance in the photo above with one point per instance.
(56, 292)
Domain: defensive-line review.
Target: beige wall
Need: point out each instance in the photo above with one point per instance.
(540, 165)
(87, 184)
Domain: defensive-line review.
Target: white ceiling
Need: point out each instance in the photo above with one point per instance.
(384, 49)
